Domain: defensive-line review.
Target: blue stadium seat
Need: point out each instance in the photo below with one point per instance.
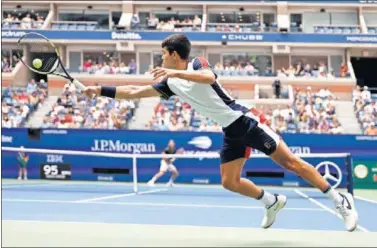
(211, 29)
(242, 73)
(55, 26)
(91, 27)
(273, 27)
(255, 26)
(72, 27)
(338, 30)
(319, 30)
(248, 29)
(346, 30)
(355, 30)
(14, 25)
(81, 27)
(63, 26)
(226, 73)
(329, 30)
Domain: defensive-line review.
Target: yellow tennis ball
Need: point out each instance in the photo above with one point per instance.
(37, 63)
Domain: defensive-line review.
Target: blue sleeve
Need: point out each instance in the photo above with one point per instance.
(201, 63)
(164, 90)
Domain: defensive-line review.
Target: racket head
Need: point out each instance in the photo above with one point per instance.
(43, 49)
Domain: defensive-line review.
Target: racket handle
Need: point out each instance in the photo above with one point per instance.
(78, 84)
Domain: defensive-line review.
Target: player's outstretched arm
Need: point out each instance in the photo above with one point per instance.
(200, 76)
(122, 92)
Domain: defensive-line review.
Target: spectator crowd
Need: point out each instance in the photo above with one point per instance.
(311, 112)
(74, 110)
(249, 68)
(365, 107)
(102, 68)
(167, 24)
(25, 22)
(18, 103)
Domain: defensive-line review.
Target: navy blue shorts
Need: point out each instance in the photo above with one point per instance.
(243, 135)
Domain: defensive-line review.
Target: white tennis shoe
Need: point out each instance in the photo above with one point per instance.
(348, 211)
(271, 211)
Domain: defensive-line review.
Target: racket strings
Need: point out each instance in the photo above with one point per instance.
(42, 49)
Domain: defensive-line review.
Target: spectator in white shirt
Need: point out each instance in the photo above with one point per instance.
(6, 122)
(153, 22)
(366, 95)
(197, 20)
(26, 22)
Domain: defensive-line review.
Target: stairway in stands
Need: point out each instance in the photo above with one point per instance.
(347, 117)
(144, 113)
(36, 119)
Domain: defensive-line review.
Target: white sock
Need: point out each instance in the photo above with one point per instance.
(267, 198)
(334, 195)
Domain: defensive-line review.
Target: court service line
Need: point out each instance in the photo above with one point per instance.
(120, 195)
(157, 204)
(4, 186)
(365, 199)
(325, 207)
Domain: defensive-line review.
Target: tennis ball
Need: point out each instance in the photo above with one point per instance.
(37, 63)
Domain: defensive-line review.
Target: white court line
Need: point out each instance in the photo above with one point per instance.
(326, 208)
(4, 186)
(365, 199)
(156, 204)
(120, 195)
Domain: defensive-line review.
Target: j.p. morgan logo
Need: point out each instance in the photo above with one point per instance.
(119, 146)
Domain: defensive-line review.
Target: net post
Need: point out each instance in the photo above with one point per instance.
(134, 171)
(349, 174)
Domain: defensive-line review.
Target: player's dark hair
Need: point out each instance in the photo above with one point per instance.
(178, 43)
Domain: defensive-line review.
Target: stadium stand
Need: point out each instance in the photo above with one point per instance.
(365, 106)
(73, 110)
(18, 103)
(112, 67)
(311, 112)
(24, 20)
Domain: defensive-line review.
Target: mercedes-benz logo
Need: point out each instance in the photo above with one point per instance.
(325, 168)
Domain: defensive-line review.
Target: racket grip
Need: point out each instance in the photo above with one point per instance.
(78, 84)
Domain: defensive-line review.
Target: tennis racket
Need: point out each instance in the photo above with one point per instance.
(48, 55)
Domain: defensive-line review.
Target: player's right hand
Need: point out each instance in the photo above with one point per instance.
(92, 91)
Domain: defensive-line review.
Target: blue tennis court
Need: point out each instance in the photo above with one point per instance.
(40, 203)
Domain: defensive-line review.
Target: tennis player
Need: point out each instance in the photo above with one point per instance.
(196, 83)
(167, 165)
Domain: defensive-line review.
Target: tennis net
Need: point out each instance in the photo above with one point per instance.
(129, 173)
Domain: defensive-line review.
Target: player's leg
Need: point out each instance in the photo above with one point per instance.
(233, 157)
(19, 173)
(344, 203)
(25, 173)
(163, 170)
(174, 174)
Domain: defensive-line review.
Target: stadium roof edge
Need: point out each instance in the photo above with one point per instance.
(204, 2)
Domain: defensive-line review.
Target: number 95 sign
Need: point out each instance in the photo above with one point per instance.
(55, 171)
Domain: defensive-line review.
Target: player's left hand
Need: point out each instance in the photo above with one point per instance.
(163, 73)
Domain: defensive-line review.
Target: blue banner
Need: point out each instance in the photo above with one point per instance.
(132, 141)
(55, 166)
(198, 36)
